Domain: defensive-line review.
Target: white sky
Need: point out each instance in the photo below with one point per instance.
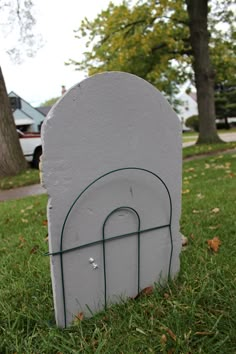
(40, 78)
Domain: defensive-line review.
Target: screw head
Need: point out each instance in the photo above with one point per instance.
(91, 260)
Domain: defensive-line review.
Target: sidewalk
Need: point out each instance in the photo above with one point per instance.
(17, 193)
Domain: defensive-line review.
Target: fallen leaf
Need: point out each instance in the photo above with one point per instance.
(204, 333)
(200, 196)
(146, 291)
(215, 210)
(163, 339)
(214, 244)
(45, 222)
(79, 316)
(186, 191)
(166, 296)
(25, 221)
(171, 351)
(22, 241)
(191, 169)
(34, 249)
(214, 227)
(171, 334)
(196, 211)
(184, 240)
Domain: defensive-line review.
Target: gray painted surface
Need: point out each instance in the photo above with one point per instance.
(110, 121)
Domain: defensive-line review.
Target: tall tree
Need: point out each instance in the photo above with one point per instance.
(12, 160)
(16, 14)
(165, 42)
(204, 73)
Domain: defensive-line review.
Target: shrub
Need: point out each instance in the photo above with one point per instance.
(193, 123)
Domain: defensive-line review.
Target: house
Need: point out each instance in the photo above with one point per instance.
(187, 108)
(27, 118)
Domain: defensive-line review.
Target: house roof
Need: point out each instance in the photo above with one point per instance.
(26, 111)
(44, 109)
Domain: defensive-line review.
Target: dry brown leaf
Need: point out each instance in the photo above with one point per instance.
(34, 249)
(163, 339)
(145, 292)
(214, 244)
(171, 351)
(204, 333)
(79, 316)
(171, 334)
(22, 241)
(45, 222)
(184, 240)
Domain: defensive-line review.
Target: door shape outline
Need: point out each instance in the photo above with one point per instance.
(105, 239)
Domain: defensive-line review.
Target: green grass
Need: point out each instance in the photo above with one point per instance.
(203, 149)
(29, 177)
(196, 313)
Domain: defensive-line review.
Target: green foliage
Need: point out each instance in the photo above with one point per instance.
(50, 102)
(193, 123)
(225, 101)
(151, 39)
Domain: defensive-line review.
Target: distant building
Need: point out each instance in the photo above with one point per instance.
(187, 108)
(27, 118)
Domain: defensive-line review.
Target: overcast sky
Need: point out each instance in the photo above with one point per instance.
(40, 78)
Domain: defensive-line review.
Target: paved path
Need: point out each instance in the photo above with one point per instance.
(37, 189)
(17, 193)
(227, 137)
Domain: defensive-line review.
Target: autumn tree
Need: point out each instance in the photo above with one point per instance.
(14, 15)
(165, 42)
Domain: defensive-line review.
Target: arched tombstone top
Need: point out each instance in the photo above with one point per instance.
(109, 122)
(119, 114)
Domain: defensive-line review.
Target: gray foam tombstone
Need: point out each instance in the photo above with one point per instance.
(111, 121)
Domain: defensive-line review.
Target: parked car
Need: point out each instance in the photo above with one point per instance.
(31, 145)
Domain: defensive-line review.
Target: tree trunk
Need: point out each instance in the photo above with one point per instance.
(12, 160)
(204, 74)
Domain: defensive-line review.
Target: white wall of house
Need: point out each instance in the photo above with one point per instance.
(27, 115)
(187, 108)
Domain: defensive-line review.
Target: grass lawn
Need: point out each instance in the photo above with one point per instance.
(30, 176)
(196, 313)
(203, 149)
